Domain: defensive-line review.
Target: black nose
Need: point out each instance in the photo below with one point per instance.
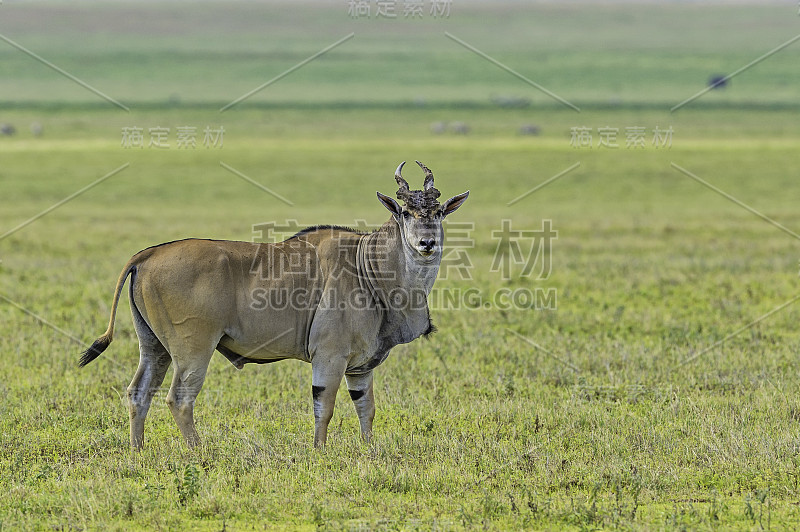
(427, 243)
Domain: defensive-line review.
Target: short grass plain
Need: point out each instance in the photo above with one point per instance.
(661, 393)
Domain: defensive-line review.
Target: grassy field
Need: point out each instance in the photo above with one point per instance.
(660, 393)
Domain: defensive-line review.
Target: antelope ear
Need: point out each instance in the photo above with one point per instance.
(454, 203)
(390, 204)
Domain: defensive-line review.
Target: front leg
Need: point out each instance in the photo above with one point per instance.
(327, 375)
(360, 388)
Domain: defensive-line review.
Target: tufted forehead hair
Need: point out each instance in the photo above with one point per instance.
(422, 203)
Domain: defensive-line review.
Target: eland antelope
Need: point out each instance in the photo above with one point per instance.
(334, 297)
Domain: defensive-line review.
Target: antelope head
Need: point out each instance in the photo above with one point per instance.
(420, 218)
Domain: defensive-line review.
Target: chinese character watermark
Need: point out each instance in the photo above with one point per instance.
(158, 137)
(440, 8)
(608, 137)
(581, 137)
(635, 137)
(385, 8)
(509, 251)
(662, 138)
(187, 137)
(359, 8)
(392, 9)
(455, 257)
(132, 137)
(212, 138)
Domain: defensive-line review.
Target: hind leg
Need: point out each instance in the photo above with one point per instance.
(190, 372)
(186, 294)
(154, 360)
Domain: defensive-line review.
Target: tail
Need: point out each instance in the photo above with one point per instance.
(100, 345)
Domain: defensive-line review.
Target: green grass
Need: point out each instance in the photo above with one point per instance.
(474, 427)
(601, 427)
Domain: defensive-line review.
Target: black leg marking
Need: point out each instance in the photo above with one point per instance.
(355, 395)
(316, 391)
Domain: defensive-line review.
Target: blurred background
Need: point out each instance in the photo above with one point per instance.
(594, 53)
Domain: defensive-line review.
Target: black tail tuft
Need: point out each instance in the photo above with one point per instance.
(95, 350)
